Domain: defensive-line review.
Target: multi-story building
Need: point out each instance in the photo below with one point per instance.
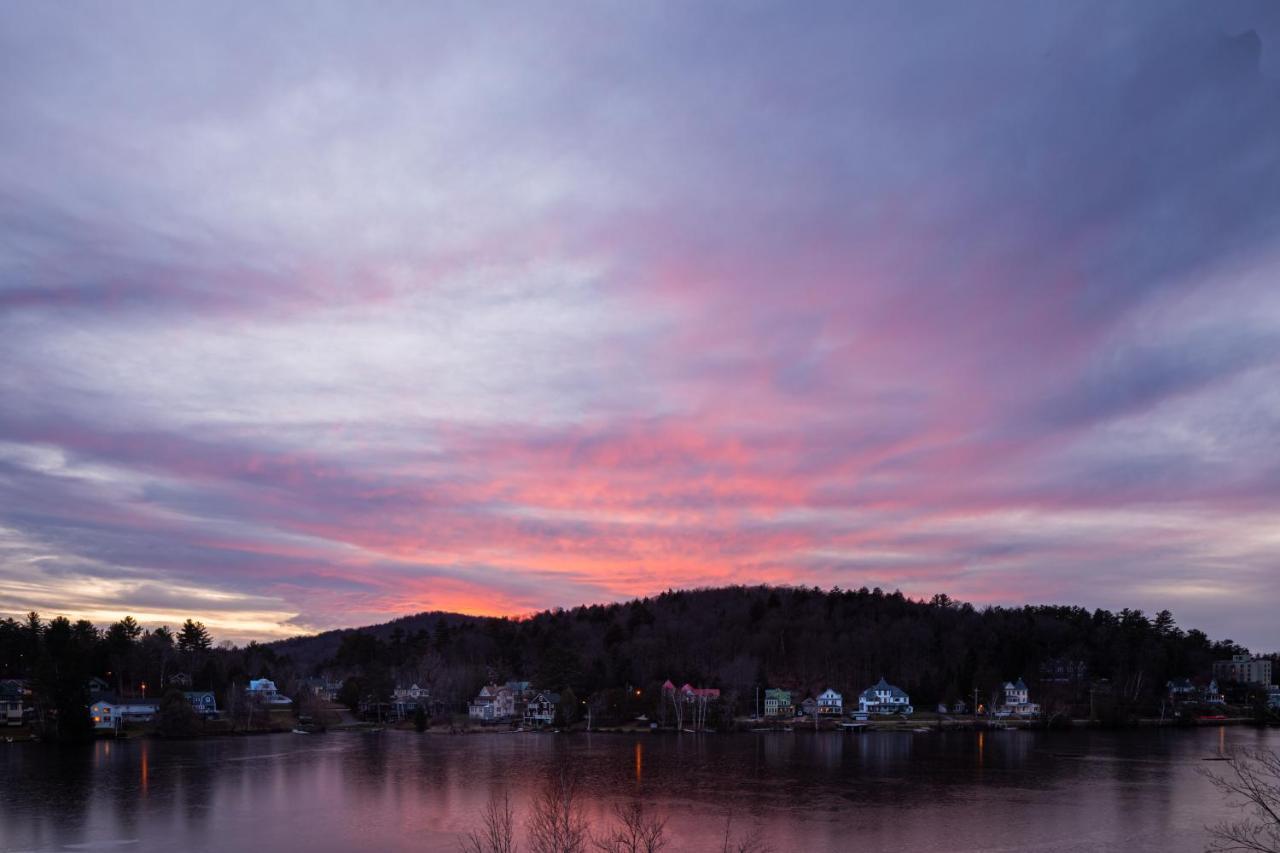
(884, 698)
(1244, 669)
(830, 703)
(777, 703)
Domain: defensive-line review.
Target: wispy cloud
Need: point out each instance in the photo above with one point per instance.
(502, 309)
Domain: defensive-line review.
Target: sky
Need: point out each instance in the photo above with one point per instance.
(313, 315)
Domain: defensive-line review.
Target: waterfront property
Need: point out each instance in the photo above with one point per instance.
(1017, 700)
(264, 690)
(109, 713)
(884, 698)
(14, 700)
(493, 703)
(1244, 669)
(202, 702)
(777, 703)
(830, 703)
(541, 709)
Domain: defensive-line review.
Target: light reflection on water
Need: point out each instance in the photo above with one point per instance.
(402, 791)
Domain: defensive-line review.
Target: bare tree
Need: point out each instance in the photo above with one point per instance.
(637, 832)
(497, 829)
(1253, 786)
(556, 823)
(742, 843)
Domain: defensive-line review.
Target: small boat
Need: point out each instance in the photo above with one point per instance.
(301, 732)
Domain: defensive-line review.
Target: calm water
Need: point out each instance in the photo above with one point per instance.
(394, 791)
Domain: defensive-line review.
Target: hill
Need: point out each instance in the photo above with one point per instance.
(740, 637)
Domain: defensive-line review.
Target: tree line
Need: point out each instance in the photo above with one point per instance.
(738, 639)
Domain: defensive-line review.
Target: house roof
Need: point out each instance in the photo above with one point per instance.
(106, 699)
(829, 694)
(883, 686)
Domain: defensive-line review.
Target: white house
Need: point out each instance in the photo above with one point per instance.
(12, 693)
(110, 714)
(493, 703)
(884, 698)
(830, 703)
(264, 690)
(1017, 701)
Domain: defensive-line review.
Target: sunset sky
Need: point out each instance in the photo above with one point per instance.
(313, 316)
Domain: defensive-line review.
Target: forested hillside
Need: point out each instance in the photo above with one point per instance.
(733, 638)
(738, 638)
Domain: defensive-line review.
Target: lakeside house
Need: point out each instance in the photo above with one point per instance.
(407, 700)
(830, 703)
(264, 690)
(541, 709)
(809, 707)
(689, 693)
(202, 702)
(884, 698)
(14, 694)
(97, 685)
(493, 703)
(109, 713)
(1194, 690)
(324, 688)
(777, 703)
(1244, 670)
(1064, 671)
(1273, 697)
(1017, 701)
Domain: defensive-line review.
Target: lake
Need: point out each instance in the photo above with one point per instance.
(399, 791)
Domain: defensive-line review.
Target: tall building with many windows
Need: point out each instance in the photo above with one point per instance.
(1244, 669)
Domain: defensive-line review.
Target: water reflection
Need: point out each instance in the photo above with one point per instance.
(401, 791)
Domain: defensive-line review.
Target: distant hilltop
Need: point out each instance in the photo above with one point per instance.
(739, 637)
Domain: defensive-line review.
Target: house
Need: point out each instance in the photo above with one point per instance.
(181, 680)
(960, 707)
(1017, 701)
(13, 701)
(1244, 669)
(830, 703)
(541, 709)
(324, 688)
(809, 707)
(109, 713)
(98, 685)
(1273, 697)
(493, 703)
(884, 698)
(689, 693)
(1181, 689)
(1064, 671)
(777, 703)
(202, 702)
(264, 690)
(407, 700)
